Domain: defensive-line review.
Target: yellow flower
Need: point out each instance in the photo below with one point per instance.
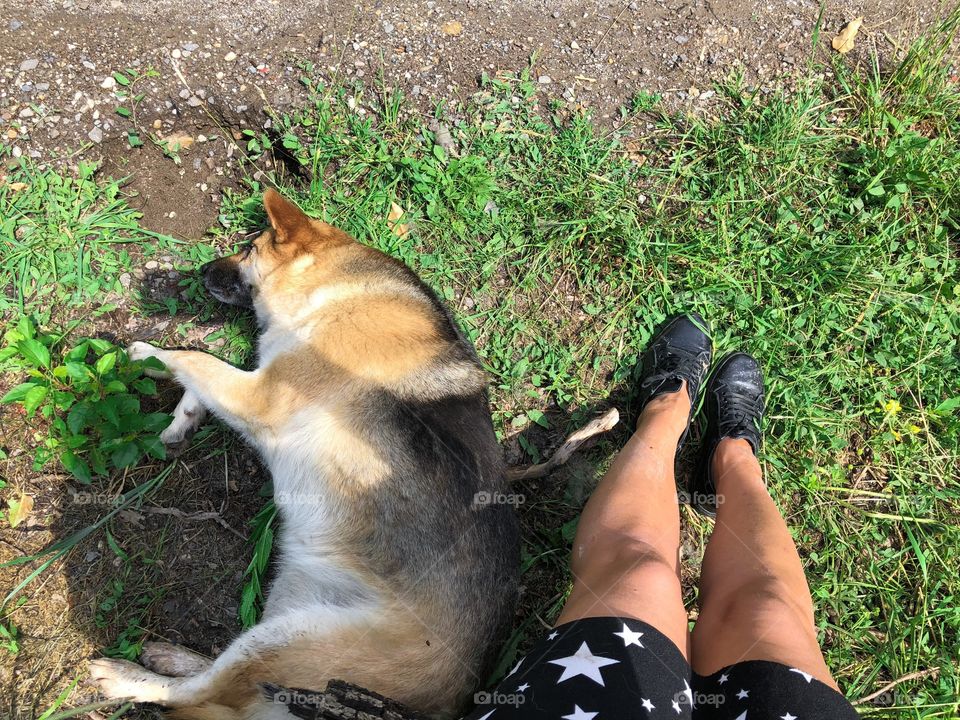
(913, 429)
(897, 436)
(892, 407)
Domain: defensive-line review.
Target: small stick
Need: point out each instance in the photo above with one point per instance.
(595, 427)
(894, 683)
(177, 512)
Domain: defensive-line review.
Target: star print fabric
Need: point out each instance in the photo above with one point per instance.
(623, 669)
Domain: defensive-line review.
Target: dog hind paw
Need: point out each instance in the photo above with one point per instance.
(124, 679)
(172, 660)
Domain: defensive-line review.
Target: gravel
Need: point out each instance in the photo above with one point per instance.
(208, 59)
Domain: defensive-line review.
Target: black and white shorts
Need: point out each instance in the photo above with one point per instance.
(623, 669)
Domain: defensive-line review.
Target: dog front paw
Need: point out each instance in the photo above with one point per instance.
(141, 351)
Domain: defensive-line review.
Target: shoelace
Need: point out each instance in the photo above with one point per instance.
(739, 410)
(674, 359)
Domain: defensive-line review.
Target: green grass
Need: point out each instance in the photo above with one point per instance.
(817, 230)
(64, 239)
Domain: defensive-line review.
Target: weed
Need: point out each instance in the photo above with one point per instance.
(63, 238)
(9, 637)
(91, 399)
(261, 537)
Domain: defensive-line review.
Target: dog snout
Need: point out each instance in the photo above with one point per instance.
(222, 279)
(220, 272)
(206, 269)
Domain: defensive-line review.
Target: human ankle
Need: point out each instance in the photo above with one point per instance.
(733, 461)
(667, 413)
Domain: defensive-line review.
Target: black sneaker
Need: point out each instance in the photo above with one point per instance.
(734, 409)
(680, 351)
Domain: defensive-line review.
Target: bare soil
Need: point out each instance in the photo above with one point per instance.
(216, 67)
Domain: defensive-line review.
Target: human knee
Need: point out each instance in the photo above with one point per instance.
(762, 602)
(625, 560)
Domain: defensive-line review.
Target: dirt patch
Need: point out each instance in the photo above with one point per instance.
(178, 571)
(169, 195)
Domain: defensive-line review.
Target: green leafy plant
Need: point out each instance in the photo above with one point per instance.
(9, 637)
(261, 537)
(91, 397)
(63, 238)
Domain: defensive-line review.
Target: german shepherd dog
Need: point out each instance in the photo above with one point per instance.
(370, 408)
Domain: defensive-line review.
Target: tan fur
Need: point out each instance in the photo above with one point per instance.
(349, 338)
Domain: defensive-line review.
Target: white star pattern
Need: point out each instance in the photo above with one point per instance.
(629, 637)
(575, 657)
(583, 662)
(579, 714)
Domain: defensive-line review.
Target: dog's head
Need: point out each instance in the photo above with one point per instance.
(276, 261)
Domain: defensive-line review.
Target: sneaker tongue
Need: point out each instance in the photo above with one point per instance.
(671, 384)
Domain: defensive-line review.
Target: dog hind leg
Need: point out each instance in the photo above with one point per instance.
(173, 660)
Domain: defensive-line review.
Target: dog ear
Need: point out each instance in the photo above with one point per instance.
(285, 217)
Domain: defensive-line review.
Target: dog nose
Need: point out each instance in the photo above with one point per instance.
(206, 268)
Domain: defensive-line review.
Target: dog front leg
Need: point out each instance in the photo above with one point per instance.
(232, 394)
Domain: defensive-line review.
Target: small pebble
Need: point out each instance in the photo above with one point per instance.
(28, 65)
(230, 56)
(96, 135)
(152, 265)
(544, 80)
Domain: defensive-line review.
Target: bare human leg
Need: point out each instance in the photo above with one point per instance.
(755, 602)
(626, 551)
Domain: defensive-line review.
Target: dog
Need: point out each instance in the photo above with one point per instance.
(369, 406)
